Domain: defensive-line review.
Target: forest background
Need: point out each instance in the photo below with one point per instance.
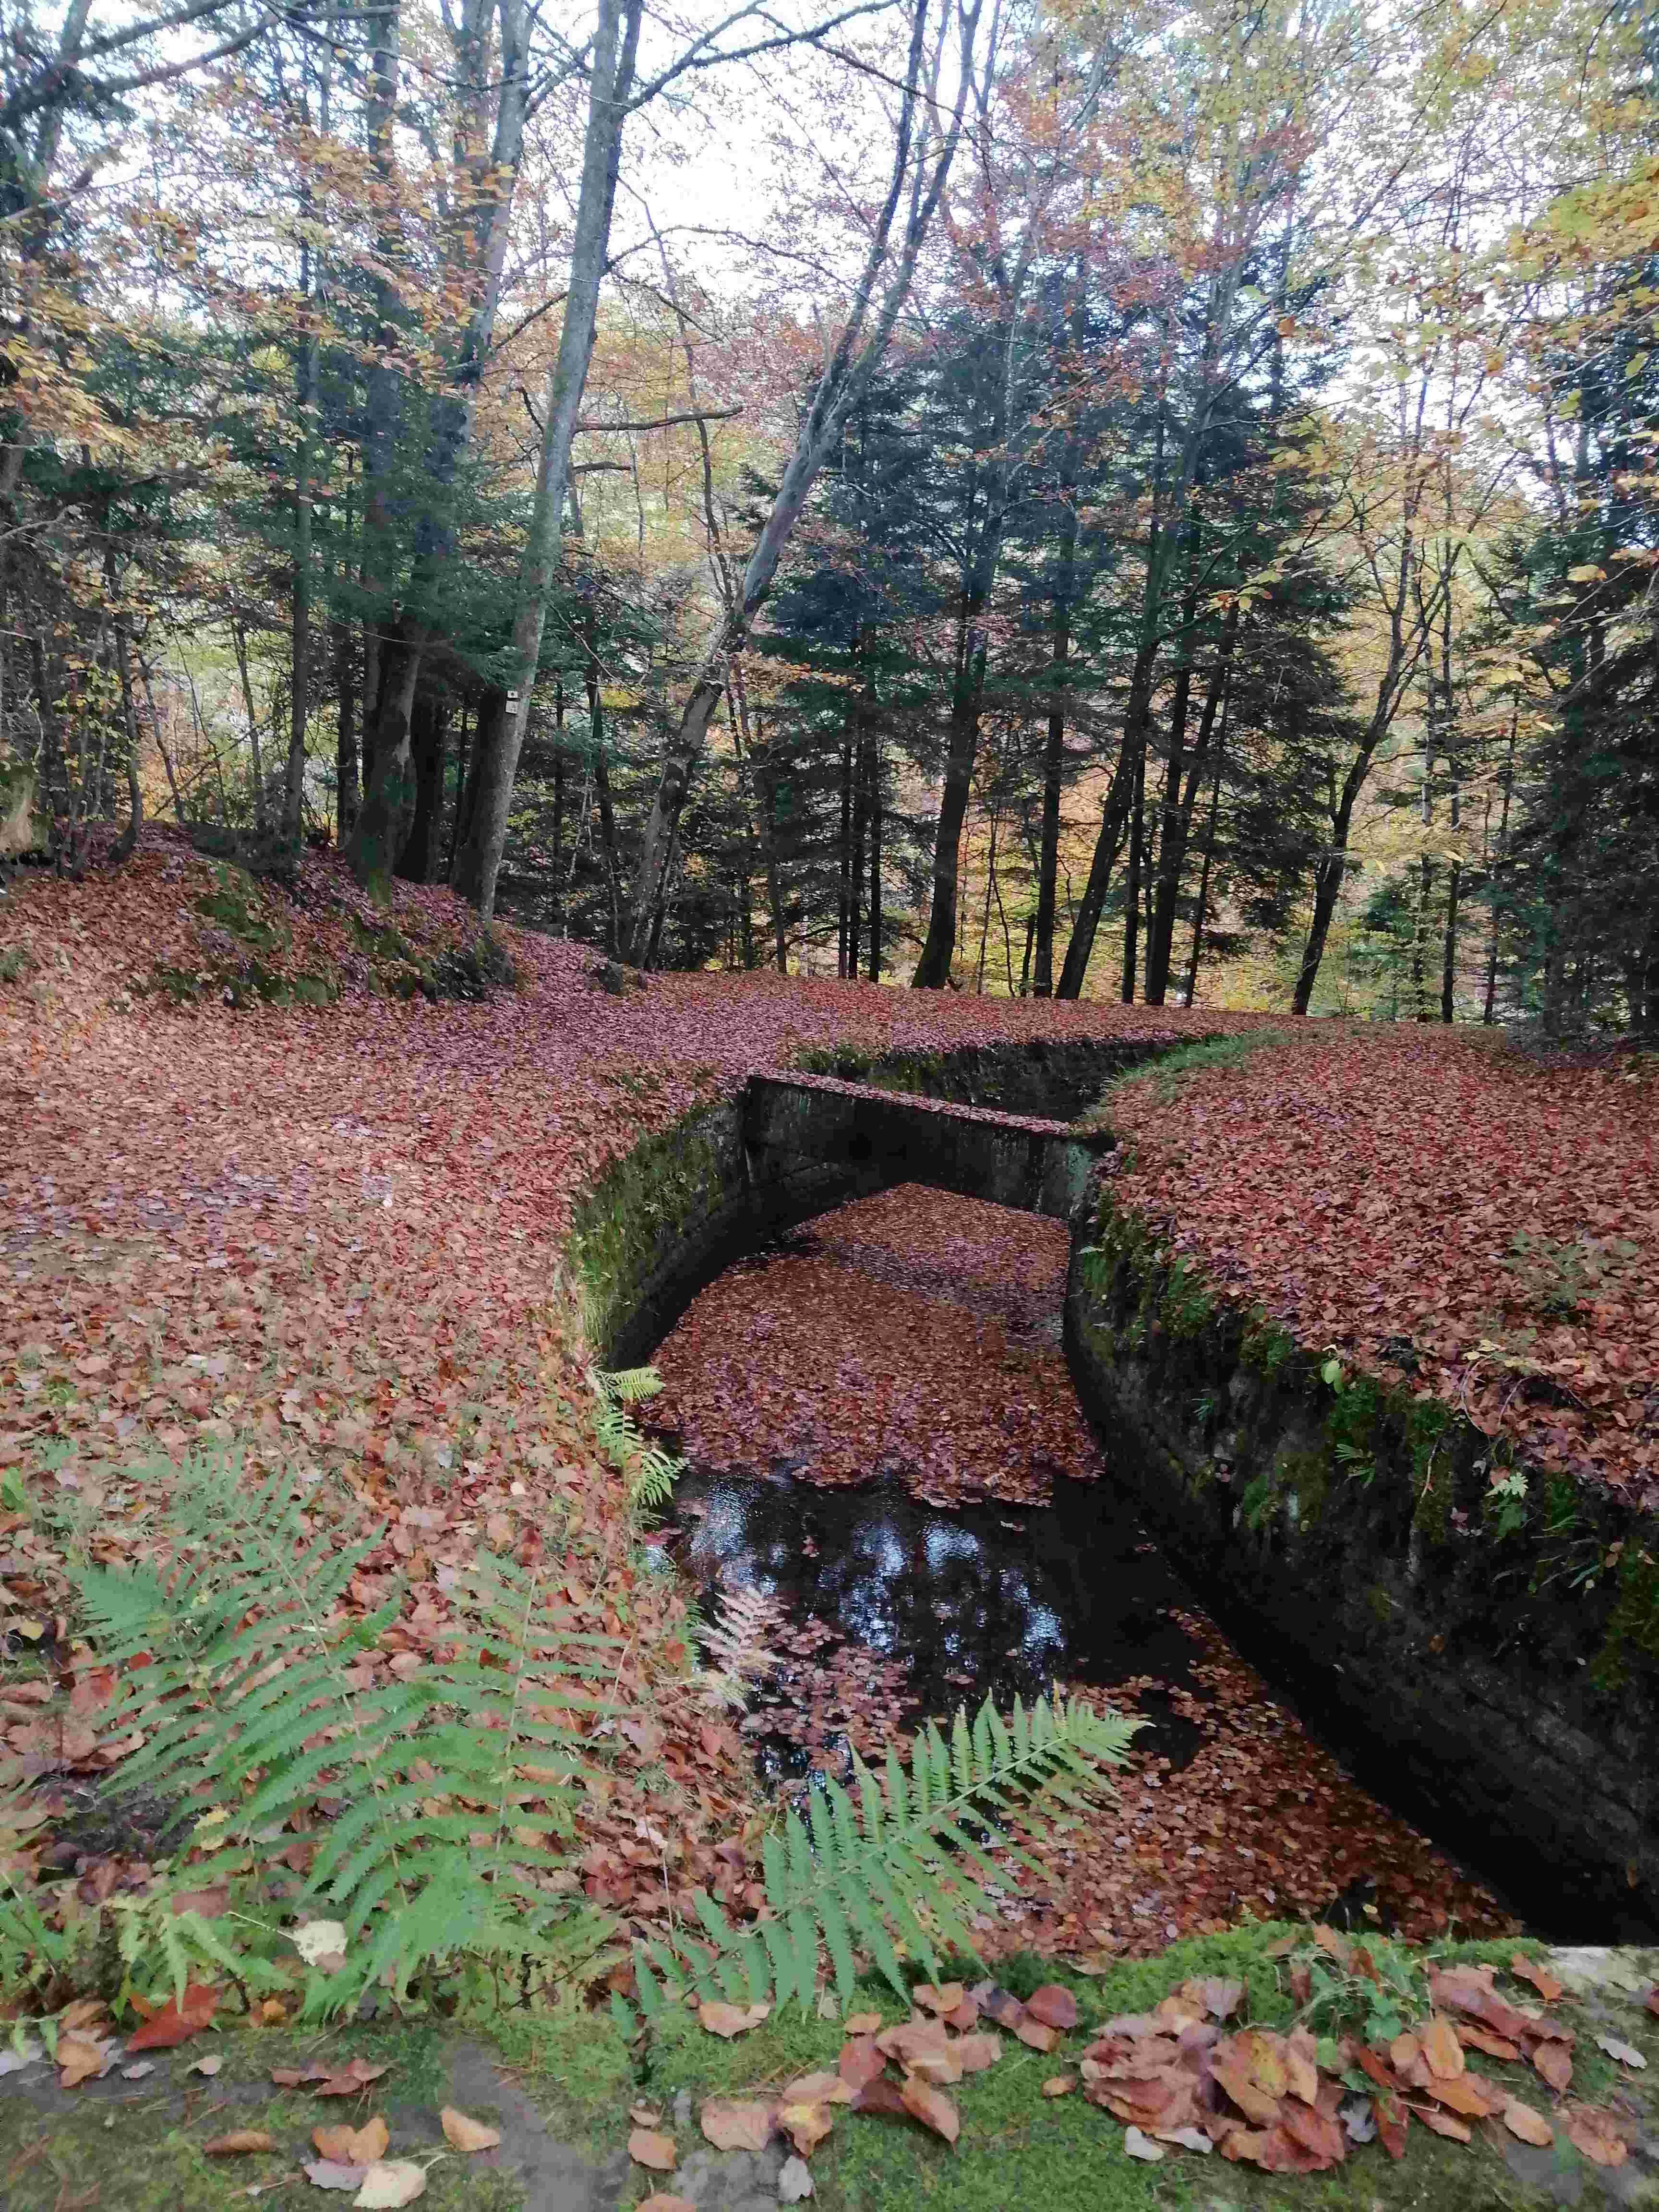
(1160, 503)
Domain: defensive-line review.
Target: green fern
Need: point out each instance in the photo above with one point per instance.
(253, 1702)
(904, 1865)
(652, 1471)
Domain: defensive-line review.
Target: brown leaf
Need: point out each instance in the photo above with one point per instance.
(973, 2053)
(1053, 2005)
(467, 2133)
(1554, 2063)
(1302, 2066)
(328, 2174)
(348, 2146)
(658, 2202)
(1467, 2093)
(645, 2147)
(78, 2059)
(1540, 1978)
(1441, 2048)
(239, 2142)
(1321, 2137)
(859, 2061)
(1531, 2126)
(1651, 2000)
(736, 2123)
(1250, 2068)
(932, 2107)
(1059, 2085)
(730, 2020)
(1595, 2132)
(805, 2124)
(1391, 2124)
(351, 2080)
(864, 2023)
(881, 2095)
(177, 2019)
(1441, 2123)
(1474, 2036)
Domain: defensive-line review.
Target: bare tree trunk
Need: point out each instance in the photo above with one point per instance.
(1201, 914)
(128, 715)
(616, 43)
(854, 360)
(239, 639)
(1132, 885)
(875, 861)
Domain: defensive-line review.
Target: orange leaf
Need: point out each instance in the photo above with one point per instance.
(1532, 2127)
(1441, 2123)
(177, 2020)
(1054, 2006)
(347, 2146)
(1540, 1978)
(736, 2123)
(238, 2141)
(645, 2147)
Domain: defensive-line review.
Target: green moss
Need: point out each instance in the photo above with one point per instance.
(235, 905)
(1170, 1071)
(1379, 1604)
(1186, 1308)
(1426, 1424)
(656, 1191)
(1632, 1631)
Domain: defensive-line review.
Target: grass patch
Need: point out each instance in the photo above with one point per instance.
(1169, 1074)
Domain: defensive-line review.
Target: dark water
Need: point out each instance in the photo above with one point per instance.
(984, 1600)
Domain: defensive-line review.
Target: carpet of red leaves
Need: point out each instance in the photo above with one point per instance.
(1376, 1189)
(914, 1336)
(335, 1233)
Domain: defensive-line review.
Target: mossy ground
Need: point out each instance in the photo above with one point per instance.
(139, 2146)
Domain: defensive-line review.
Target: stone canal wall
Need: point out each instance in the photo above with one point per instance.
(1482, 1638)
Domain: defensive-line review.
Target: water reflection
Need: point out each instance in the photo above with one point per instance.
(987, 1601)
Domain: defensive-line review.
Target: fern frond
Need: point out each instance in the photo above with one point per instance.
(254, 1700)
(893, 1867)
(653, 1471)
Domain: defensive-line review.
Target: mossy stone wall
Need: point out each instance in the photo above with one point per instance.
(1488, 1656)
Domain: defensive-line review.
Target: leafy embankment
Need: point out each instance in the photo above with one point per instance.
(1441, 1212)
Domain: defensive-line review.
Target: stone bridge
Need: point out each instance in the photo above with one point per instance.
(799, 1131)
(732, 1176)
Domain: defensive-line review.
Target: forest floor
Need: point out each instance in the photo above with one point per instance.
(267, 1182)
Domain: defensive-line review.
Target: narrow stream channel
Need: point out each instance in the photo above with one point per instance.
(886, 1453)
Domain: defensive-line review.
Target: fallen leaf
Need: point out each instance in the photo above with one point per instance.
(1531, 2126)
(78, 2059)
(806, 2125)
(1554, 2063)
(319, 1943)
(351, 2082)
(794, 2182)
(1189, 2138)
(657, 2202)
(1141, 2146)
(932, 2107)
(860, 2061)
(1054, 2006)
(864, 2023)
(1034, 2032)
(467, 2133)
(1474, 2036)
(1651, 2000)
(346, 2146)
(1442, 2124)
(736, 2123)
(325, 2173)
(1438, 2042)
(730, 2020)
(973, 2053)
(209, 2065)
(1595, 2132)
(1626, 2053)
(644, 2116)
(646, 2147)
(178, 2018)
(390, 2183)
(818, 2089)
(1059, 2085)
(1540, 1978)
(238, 2142)
(138, 2073)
